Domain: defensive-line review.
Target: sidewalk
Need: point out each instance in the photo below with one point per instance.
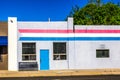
(4, 73)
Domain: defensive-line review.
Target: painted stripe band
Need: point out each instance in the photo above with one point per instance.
(69, 39)
(67, 31)
(69, 35)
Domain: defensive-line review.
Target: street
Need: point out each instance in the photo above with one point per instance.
(105, 77)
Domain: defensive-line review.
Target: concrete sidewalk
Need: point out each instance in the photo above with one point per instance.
(59, 73)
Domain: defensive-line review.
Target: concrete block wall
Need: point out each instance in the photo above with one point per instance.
(85, 51)
(60, 25)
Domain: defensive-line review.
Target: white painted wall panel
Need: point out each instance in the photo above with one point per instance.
(42, 25)
(54, 64)
(12, 44)
(86, 55)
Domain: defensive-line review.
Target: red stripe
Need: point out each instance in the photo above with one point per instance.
(44, 31)
(97, 31)
(66, 31)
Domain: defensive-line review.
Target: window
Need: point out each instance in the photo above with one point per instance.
(3, 50)
(102, 53)
(59, 51)
(28, 51)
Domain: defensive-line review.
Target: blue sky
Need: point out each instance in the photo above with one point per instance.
(39, 10)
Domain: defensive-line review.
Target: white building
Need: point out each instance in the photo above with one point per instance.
(61, 45)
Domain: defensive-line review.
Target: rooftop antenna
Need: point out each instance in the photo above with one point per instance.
(48, 19)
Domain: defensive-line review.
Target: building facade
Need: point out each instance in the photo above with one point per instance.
(61, 45)
(3, 45)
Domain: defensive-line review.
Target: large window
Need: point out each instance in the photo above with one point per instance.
(28, 51)
(59, 51)
(102, 53)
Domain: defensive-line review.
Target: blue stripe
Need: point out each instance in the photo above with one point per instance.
(69, 38)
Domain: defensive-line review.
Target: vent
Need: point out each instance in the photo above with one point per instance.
(102, 46)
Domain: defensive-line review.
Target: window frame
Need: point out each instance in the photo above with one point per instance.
(60, 54)
(29, 55)
(103, 54)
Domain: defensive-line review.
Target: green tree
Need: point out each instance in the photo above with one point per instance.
(97, 2)
(91, 14)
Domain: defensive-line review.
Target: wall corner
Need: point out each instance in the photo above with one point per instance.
(70, 22)
(12, 44)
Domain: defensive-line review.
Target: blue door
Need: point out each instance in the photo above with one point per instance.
(44, 59)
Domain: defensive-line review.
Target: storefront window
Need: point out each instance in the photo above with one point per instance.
(28, 51)
(59, 51)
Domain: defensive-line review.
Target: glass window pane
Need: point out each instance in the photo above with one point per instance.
(56, 57)
(59, 47)
(99, 53)
(32, 57)
(102, 53)
(25, 57)
(106, 53)
(63, 57)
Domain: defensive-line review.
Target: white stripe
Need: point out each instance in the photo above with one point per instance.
(98, 35)
(46, 35)
(69, 35)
